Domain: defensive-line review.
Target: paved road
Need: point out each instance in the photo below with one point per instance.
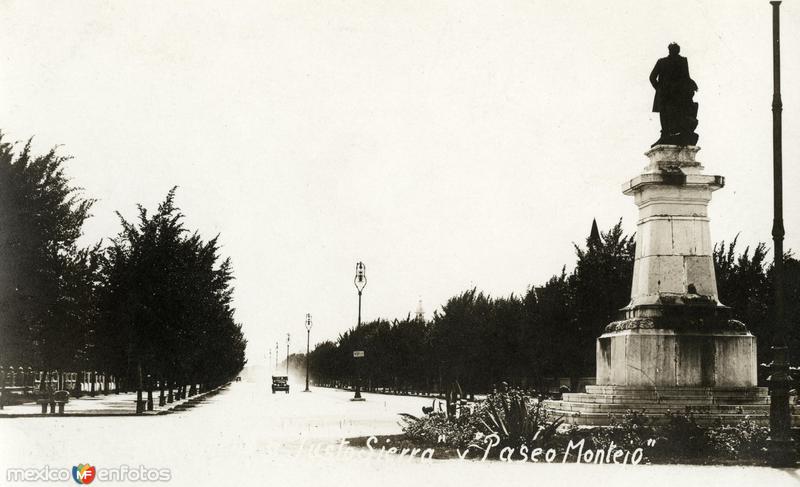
(248, 436)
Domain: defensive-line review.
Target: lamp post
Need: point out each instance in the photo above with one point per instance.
(360, 282)
(288, 337)
(780, 445)
(308, 340)
(276, 357)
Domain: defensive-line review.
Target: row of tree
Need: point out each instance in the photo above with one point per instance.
(154, 299)
(547, 332)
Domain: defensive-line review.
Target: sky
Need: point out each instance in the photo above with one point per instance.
(447, 145)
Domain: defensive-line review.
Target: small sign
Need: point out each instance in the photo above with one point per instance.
(358, 353)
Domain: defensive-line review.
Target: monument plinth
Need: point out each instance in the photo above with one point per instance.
(675, 333)
(675, 348)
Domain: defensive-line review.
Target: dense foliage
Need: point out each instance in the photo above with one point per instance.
(47, 283)
(477, 340)
(166, 301)
(156, 296)
(550, 331)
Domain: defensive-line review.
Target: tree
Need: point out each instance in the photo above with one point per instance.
(166, 302)
(599, 287)
(47, 283)
(745, 284)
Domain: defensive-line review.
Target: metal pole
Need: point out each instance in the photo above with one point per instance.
(357, 395)
(308, 339)
(780, 445)
(287, 356)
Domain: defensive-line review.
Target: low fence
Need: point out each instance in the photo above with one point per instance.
(22, 381)
(19, 385)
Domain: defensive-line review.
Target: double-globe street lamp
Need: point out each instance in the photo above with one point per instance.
(308, 339)
(360, 282)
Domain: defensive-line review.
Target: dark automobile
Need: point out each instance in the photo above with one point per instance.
(280, 383)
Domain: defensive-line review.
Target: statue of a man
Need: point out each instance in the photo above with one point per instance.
(673, 99)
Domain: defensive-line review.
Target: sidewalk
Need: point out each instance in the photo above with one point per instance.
(102, 405)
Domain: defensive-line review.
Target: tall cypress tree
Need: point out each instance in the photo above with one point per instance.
(47, 283)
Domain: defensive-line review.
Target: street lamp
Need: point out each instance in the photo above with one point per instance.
(360, 282)
(780, 445)
(287, 356)
(308, 339)
(276, 357)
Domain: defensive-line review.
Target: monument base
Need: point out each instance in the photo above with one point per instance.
(658, 373)
(603, 405)
(676, 358)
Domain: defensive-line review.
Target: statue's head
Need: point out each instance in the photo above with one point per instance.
(674, 49)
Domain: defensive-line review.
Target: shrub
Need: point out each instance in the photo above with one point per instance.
(743, 440)
(439, 428)
(517, 419)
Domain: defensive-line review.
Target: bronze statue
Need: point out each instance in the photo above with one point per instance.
(673, 99)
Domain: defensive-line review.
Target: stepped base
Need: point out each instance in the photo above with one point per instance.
(602, 405)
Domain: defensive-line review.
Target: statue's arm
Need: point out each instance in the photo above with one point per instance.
(692, 83)
(654, 76)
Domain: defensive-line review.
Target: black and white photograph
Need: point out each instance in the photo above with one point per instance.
(400, 243)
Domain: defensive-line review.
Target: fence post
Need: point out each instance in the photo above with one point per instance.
(30, 388)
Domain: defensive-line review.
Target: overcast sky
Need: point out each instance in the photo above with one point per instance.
(445, 144)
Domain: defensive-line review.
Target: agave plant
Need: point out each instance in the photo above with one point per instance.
(516, 420)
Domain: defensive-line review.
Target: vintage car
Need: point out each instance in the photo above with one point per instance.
(280, 383)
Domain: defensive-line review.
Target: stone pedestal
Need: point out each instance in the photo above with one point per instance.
(675, 348)
(673, 358)
(674, 254)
